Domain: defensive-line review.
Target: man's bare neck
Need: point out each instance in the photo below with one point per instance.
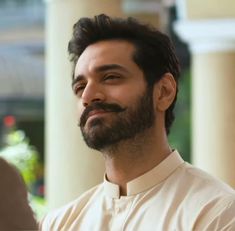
(132, 159)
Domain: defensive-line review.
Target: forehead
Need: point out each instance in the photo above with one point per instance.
(104, 53)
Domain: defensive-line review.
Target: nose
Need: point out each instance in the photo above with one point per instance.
(92, 93)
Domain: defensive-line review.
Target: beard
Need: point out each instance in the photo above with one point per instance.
(126, 123)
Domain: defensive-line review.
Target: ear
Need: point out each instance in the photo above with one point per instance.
(164, 92)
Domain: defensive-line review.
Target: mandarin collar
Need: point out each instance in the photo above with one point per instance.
(148, 179)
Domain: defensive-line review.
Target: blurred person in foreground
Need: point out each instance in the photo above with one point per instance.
(126, 81)
(15, 212)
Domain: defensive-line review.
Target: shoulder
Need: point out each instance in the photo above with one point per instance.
(56, 219)
(13, 200)
(218, 215)
(203, 182)
(212, 200)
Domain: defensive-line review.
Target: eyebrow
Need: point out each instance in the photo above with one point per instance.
(108, 67)
(98, 69)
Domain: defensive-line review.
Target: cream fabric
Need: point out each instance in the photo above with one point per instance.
(172, 196)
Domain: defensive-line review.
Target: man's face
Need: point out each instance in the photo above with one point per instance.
(114, 101)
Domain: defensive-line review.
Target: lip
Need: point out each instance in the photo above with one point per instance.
(96, 113)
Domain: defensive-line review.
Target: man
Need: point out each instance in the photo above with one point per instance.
(125, 79)
(15, 212)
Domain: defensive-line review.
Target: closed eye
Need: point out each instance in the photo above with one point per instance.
(78, 89)
(111, 78)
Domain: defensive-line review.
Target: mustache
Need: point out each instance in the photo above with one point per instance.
(99, 106)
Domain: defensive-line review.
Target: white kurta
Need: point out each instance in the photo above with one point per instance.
(172, 196)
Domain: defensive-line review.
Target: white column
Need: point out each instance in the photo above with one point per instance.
(71, 168)
(212, 44)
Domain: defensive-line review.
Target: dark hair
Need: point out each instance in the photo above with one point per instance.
(154, 54)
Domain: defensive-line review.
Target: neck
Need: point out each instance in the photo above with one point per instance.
(132, 158)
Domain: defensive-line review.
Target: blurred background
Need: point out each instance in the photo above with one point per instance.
(38, 130)
(22, 76)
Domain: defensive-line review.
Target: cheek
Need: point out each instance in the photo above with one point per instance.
(80, 109)
(126, 95)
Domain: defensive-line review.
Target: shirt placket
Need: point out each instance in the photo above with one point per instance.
(121, 210)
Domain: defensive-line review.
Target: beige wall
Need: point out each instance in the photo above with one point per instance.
(153, 19)
(208, 9)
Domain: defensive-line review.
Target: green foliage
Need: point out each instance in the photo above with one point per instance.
(25, 158)
(181, 129)
(19, 153)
